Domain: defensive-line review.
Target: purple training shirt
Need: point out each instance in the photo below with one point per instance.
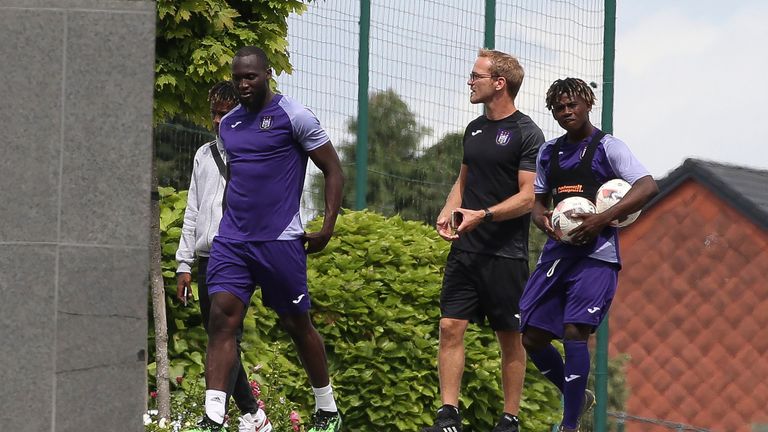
(267, 154)
(613, 159)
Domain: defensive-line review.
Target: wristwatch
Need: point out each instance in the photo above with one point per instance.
(488, 216)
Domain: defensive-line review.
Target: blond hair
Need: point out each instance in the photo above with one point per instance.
(505, 66)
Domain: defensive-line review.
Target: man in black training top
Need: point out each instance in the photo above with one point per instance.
(487, 267)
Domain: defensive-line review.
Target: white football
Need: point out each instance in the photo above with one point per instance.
(609, 194)
(561, 215)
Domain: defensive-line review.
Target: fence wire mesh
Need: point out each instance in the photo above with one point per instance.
(420, 56)
(175, 147)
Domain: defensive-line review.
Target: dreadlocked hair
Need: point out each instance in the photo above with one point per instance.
(570, 87)
(222, 91)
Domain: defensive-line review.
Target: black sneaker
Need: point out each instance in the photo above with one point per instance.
(205, 425)
(448, 420)
(325, 421)
(589, 402)
(507, 423)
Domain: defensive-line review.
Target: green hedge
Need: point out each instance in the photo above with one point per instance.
(375, 293)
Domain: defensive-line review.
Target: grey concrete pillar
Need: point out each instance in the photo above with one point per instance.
(76, 84)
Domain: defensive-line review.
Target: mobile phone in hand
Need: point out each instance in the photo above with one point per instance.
(456, 218)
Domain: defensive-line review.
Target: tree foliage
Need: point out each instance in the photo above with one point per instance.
(402, 179)
(433, 175)
(197, 39)
(393, 138)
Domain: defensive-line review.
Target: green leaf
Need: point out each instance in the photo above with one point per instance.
(375, 294)
(185, 74)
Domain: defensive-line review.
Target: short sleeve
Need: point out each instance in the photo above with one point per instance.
(541, 184)
(307, 130)
(623, 161)
(532, 139)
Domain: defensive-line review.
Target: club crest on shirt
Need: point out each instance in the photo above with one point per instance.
(502, 137)
(266, 122)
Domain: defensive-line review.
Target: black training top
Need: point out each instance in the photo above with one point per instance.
(494, 152)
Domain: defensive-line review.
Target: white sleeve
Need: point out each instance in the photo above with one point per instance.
(623, 161)
(307, 130)
(185, 254)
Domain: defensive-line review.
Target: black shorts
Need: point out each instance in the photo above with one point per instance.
(476, 286)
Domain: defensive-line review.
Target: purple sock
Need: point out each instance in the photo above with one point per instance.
(550, 363)
(576, 373)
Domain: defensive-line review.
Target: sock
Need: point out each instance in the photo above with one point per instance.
(214, 405)
(324, 399)
(576, 373)
(550, 363)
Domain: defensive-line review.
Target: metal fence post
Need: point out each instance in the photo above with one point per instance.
(490, 24)
(361, 162)
(601, 359)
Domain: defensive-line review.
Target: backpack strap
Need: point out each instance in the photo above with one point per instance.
(223, 170)
(218, 159)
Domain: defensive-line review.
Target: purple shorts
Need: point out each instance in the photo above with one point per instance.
(568, 291)
(279, 267)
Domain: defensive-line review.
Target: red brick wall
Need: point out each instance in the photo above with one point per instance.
(692, 312)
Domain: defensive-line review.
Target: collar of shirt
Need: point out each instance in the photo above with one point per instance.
(583, 142)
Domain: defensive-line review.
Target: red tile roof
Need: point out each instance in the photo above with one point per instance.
(692, 312)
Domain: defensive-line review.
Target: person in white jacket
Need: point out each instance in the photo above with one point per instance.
(201, 222)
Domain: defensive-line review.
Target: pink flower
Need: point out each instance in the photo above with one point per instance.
(295, 421)
(153, 394)
(262, 405)
(255, 388)
(295, 417)
(179, 380)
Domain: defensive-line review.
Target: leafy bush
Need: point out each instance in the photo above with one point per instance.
(264, 345)
(187, 407)
(375, 294)
(375, 291)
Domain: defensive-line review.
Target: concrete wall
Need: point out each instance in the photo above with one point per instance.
(76, 83)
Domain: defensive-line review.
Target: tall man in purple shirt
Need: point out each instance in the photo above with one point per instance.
(269, 139)
(572, 287)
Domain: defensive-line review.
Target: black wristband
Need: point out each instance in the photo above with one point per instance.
(488, 216)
